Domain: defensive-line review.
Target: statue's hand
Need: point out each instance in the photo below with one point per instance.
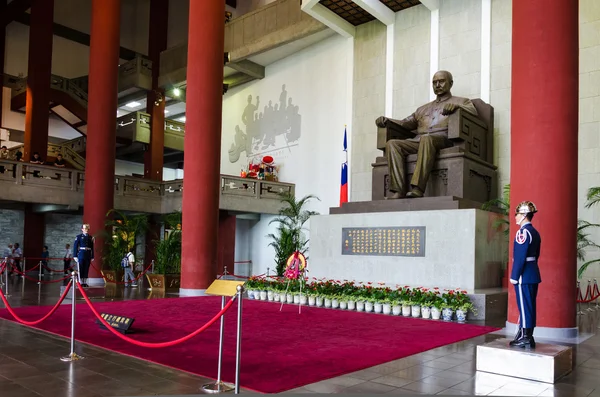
(381, 121)
(449, 108)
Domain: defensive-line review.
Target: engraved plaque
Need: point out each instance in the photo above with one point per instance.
(384, 241)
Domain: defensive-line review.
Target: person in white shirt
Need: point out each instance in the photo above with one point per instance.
(67, 258)
(128, 264)
(17, 254)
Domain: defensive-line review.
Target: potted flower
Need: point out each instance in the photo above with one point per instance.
(416, 301)
(428, 299)
(436, 307)
(463, 305)
(449, 305)
(394, 300)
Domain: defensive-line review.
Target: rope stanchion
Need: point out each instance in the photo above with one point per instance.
(73, 356)
(149, 344)
(26, 277)
(31, 323)
(238, 352)
(219, 386)
(139, 276)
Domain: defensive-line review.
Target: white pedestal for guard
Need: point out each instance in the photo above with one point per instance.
(462, 249)
(546, 363)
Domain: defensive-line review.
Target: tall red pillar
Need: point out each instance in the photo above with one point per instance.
(102, 119)
(544, 130)
(2, 51)
(157, 42)
(202, 146)
(38, 79)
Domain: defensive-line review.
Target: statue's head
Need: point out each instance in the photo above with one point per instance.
(442, 82)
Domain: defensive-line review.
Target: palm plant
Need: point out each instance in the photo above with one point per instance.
(168, 249)
(123, 231)
(503, 204)
(290, 225)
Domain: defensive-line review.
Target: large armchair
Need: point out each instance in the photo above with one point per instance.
(464, 170)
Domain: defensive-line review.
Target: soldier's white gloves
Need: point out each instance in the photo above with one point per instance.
(513, 281)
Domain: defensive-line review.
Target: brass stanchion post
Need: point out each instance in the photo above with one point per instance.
(73, 356)
(238, 350)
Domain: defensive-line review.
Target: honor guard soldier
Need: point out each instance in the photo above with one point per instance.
(525, 275)
(83, 253)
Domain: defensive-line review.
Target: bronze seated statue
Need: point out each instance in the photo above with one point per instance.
(445, 148)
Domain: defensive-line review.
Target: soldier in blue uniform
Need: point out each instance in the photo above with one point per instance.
(83, 253)
(525, 273)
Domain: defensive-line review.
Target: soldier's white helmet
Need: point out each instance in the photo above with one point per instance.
(525, 207)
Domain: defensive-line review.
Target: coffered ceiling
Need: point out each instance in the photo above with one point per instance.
(354, 14)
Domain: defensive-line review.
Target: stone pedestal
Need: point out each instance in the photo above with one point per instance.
(546, 363)
(458, 248)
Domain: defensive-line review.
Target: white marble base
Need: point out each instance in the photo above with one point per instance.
(546, 363)
(462, 250)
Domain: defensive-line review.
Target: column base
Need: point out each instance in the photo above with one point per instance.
(95, 281)
(192, 292)
(547, 332)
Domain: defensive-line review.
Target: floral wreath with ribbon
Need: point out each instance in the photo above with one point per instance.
(295, 266)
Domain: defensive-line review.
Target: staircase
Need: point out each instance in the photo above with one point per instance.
(71, 151)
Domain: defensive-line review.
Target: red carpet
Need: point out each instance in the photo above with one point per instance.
(280, 350)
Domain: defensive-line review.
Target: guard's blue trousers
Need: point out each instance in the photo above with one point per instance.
(526, 297)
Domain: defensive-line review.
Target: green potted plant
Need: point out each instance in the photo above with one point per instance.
(167, 265)
(119, 237)
(289, 236)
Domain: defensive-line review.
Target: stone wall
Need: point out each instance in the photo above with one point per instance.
(368, 104)
(11, 228)
(61, 229)
(412, 80)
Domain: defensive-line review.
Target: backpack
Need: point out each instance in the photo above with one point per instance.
(125, 261)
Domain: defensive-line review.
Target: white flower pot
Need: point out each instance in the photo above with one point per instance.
(250, 294)
(303, 299)
(406, 311)
(397, 310)
(435, 313)
(387, 308)
(416, 311)
(351, 305)
(289, 298)
(447, 314)
(335, 303)
(377, 307)
(270, 295)
(360, 306)
(263, 295)
(312, 301)
(461, 315)
(327, 302)
(425, 312)
(296, 299)
(343, 305)
(276, 296)
(368, 306)
(319, 301)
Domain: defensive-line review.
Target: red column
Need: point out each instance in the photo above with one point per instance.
(2, 49)
(226, 242)
(157, 42)
(38, 79)
(202, 145)
(544, 125)
(102, 115)
(33, 235)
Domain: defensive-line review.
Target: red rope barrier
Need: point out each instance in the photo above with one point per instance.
(147, 344)
(122, 282)
(19, 319)
(35, 279)
(595, 294)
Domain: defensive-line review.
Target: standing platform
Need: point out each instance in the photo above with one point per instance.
(546, 363)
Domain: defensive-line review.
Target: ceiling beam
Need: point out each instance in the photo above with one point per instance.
(13, 10)
(72, 34)
(328, 18)
(378, 10)
(250, 68)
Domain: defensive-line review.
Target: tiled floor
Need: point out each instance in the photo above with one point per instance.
(29, 365)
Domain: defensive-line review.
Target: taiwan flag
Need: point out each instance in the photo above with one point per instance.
(344, 181)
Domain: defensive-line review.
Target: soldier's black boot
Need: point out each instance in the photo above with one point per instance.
(526, 341)
(518, 337)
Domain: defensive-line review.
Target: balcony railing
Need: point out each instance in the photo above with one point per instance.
(48, 184)
(135, 127)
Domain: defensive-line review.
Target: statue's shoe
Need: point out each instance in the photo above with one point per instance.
(414, 193)
(395, 196)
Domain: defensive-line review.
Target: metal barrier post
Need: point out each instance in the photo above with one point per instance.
(24, 268)
(40, 273)
(219, 386)
(73, 356)
(589, 308)
(6, 276)
(238, 350)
